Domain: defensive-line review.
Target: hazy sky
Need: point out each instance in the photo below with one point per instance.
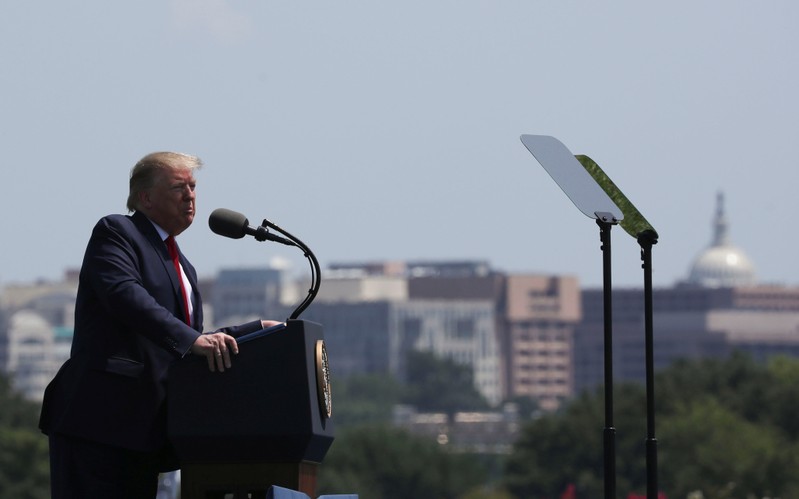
(390, 130)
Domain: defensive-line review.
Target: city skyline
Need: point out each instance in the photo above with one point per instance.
(391, 132)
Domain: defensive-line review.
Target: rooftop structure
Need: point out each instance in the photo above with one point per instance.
(721, 264)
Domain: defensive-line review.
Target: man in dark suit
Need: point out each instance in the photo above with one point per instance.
(138, 310)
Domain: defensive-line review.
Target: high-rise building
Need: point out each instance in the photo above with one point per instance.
(535, 320)
(371, 323)
(244, 293)
(540, 317)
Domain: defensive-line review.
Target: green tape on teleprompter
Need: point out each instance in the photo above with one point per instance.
(633, 223)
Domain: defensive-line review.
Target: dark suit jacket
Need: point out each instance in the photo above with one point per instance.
(129, 328)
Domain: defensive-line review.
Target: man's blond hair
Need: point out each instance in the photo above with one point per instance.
(145, 173)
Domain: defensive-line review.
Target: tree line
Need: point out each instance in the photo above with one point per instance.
(24, 458)
(726, 428)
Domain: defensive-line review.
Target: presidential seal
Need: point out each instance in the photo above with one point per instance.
(323, 380)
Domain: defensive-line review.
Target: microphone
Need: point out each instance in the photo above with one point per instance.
(234, 225)
(231, 224)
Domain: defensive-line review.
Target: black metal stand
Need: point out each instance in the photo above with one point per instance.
(605, 222)
(316, 275)
(646, 239)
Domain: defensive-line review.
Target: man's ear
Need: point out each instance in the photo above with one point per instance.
(144, 199)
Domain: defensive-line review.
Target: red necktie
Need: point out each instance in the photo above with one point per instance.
(173, 252)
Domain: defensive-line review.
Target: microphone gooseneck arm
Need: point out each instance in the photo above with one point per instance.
(316, 277)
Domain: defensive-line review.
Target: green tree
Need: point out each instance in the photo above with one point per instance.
(781, 395)
(365, 398)
(380, 462)
(707, 447)
(441, 385)
(566, 448)
(725, 427)
(24, 461)
(737, 382)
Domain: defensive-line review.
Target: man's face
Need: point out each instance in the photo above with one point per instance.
(171, 201)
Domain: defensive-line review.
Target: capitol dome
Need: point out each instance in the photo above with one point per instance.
(721, 264)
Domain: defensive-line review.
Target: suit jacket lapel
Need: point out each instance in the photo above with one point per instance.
(147, 228)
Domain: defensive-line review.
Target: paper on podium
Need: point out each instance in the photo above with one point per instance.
(259, 334)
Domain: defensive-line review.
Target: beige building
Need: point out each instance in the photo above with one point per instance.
(540, 316)
(536, 317)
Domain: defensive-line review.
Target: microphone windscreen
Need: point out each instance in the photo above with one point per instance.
(228, 223)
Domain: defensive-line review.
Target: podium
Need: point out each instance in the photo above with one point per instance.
(265, 421)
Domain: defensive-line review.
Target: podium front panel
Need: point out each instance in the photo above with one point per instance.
(264, 408)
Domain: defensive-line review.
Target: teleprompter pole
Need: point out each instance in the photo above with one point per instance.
(605, 222)
(646, 239)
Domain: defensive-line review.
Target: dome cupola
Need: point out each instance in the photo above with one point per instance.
(721, 264)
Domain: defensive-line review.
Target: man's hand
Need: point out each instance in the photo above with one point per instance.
(216, 347)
